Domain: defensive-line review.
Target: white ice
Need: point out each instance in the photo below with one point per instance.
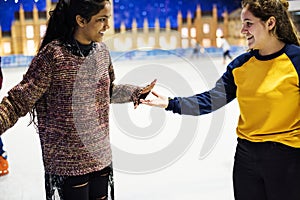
(188, 177)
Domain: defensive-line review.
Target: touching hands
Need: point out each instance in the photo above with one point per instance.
(144, 93)
(160, 100)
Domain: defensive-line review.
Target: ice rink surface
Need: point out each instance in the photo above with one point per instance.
(184, 174)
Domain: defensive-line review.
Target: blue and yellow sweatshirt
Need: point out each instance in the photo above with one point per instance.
(267, 90)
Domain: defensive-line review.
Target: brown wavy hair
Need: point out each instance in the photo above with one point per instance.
(285, 29)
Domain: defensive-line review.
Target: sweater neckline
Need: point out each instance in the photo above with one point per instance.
(270, 56)
(79, 49)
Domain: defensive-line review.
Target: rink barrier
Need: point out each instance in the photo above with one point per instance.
(13, 61)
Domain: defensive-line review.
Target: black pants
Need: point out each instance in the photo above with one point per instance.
(92, 186)
(226, 54)
(266, 171)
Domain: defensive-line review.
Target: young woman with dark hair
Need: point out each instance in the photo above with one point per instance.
(68, 87)
(266, 82)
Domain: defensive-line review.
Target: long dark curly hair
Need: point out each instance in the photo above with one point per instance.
(62, 22)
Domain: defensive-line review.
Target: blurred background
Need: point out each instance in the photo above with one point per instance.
(143, 24)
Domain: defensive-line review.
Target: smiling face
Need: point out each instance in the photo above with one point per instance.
(93, 31)
(255, 30)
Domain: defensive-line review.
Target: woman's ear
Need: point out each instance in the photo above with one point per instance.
(80, 21)
(271, 22)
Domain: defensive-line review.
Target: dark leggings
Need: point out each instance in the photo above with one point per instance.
(266, 171)
(92, 186)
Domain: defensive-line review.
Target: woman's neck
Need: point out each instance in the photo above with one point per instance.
(272, 47)
(78, 37)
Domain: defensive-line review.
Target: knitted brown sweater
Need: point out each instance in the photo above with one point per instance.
(71, 95)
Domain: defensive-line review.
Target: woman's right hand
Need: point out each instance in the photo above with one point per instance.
(160, 101)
